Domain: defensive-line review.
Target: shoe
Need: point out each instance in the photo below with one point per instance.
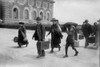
(51, 51)
(26, 45)
(19, 46)
(43, 54)
(76, 53)
(59, 48)
(65, 56)
(85, 47)
(94, 45)
(39, 56)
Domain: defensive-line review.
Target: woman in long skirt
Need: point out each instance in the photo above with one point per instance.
(56, 36)
(22, 35)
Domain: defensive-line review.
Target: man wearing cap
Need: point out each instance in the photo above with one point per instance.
(22, 35)
(39, 35)
(87, 30)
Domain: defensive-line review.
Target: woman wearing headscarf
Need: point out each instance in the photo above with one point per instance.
(22, 38)
(56, 35)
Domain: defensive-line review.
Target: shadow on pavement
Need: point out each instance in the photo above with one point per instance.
(17, 47)
(5, 58)
(92, 48)
(33, 57)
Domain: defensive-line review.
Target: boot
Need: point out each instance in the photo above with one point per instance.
(43, 53)
(19, 45)
(39, 56)
(51, 50)
(65, 56)
(59, 48)
(76, 53)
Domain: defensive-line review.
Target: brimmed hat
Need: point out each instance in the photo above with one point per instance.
(21, 22)
(38, 19)
(86, 21)
(53, 19)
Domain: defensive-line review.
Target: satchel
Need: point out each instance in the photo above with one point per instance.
(91, 39)
(15, 39)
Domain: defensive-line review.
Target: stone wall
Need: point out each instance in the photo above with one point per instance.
(44, 6)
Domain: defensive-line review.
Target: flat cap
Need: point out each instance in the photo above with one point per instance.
(53, 19)
(21, 22)
(38, 19)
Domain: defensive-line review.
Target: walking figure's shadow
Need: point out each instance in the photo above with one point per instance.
(33, 57)
(17, 47)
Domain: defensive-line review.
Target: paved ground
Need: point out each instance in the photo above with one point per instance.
(11, 56)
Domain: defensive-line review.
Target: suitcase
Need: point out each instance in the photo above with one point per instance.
(44, 44)
(81, 36)
(76, 43)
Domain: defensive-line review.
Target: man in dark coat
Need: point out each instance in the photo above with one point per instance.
(70, 30)
(22, 35)
(39, 35)
(56, 35)
(87, 30)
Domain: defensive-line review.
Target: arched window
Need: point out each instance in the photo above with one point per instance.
(41, 15)
(48, 16)
(34, 15)
(26, 14)
(15, 13)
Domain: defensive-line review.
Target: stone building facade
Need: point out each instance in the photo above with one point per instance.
(27, 10)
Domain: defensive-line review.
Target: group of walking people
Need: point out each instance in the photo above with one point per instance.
(56, 35)
(91, 31)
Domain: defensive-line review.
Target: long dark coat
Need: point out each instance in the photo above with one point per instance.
(39, 34)
(86, 29)
(56, 36)
(20, 35)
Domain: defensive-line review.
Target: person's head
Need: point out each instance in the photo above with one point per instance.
(85, 22)
(69, 26)
(53, 20)
(38, 19)
(21, 23)
(57, 21)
